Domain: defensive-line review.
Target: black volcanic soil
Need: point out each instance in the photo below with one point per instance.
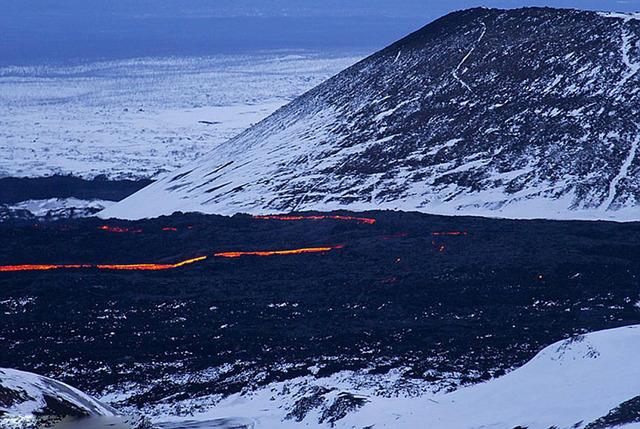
(16, 189)
(395, 296)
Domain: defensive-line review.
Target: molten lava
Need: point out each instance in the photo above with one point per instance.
(351, 218)
(404, 234)
(277, 252)
(150, 267)
(146, 267)
(38, 267)
(119, 229)
(155, 267)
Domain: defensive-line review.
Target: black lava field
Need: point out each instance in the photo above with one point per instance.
(432, 295)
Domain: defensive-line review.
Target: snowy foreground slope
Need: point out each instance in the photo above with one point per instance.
(34, 393)
(29, 400)
(521, 113)
(590, 381)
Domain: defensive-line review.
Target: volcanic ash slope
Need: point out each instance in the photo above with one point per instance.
(509, 113)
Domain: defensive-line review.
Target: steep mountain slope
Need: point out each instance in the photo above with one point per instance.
(589, 381)
(519, 113)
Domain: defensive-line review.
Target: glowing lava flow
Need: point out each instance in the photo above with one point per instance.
(38, 267)
(277, 252)
(151, 267)
(357, 219)
(156, 267)
(119, 229)
(450, 233)
(146, 267)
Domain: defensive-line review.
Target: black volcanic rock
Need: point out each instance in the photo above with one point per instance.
(517, 113)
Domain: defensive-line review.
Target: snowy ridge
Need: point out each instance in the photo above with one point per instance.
(589, 381)
(23, 394)
(545, 132)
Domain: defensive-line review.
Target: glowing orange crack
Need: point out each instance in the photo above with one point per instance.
(147, 267)
(277, 252)
(39, 267)
(119, 229)
(450, 233)
(157, 267)
(357, 219)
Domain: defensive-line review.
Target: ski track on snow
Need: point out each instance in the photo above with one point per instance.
(455, 71)
(633, 67)
(622, 173)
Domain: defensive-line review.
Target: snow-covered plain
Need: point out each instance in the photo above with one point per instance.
(53, 208)
(569, 384)
(140, 117)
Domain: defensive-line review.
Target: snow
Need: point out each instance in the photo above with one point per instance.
(622, 174)
(620, 15)
(568, 384)
(32, 388)
(40, 208)
(537, 201)
(141, 117)
(457, 69)
(626, 48)
(380, 116)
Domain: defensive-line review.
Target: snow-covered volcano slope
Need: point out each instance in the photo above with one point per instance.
(520, 113)
(590, 381)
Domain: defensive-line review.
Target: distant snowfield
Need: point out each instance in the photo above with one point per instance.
(139, 118)
(570, 384)
(53, 208)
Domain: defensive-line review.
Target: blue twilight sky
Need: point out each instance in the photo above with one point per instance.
(37, 31)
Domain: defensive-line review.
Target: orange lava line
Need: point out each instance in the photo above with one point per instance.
(146, 267)
(277, 252)
(30, 267)
(118, 229)
(357, 219)
(404, 234)
(450, 233)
